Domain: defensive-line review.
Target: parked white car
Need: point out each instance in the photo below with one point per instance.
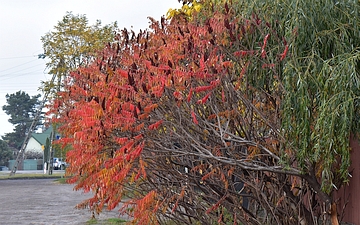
(59, 164)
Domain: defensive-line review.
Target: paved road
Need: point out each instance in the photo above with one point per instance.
(42, 201)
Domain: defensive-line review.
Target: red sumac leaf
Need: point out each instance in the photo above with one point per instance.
(136, 153)
(215, 206)
(178, 95)
(212, 116)
(143, 116)
(243, 70)
(206, 176)
(283, 55)
(164, 67)
(156, 125)
(243, 53)
(270, 65)
(139, 127)
(128, 106)
(147, 64)
(150, 108)
(203, 88)
(215, 83)
(227, 64)
(122, 73)
(240, 53)
(122, 140)
(126, 114)
(190, 95)
(263, 52)
(202, 63)
(204, 99)
(194, 118)
(140, 136)
(220, 218)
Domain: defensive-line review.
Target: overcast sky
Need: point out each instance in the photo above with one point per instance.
(23, 22)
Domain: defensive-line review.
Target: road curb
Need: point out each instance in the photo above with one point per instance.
(27, 178)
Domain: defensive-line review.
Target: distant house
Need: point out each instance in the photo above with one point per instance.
(37, 141)
(35, 145)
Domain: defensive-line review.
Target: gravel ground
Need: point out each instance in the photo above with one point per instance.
(43, 201)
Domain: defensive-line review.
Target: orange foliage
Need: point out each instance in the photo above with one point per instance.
(105, 108)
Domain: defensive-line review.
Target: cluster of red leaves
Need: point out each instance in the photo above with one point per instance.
(105, 109)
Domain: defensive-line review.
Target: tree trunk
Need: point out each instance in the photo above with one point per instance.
(333, 214)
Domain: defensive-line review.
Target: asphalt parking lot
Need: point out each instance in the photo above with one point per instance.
(42, 201)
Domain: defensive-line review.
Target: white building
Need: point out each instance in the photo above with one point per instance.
(37, 141)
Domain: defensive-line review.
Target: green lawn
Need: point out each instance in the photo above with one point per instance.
(111, 221)
(4, 176)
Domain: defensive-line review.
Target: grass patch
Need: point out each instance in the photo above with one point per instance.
(92, 221)
(111, 221)
(61, 180)
(30, 176)
(116, 221)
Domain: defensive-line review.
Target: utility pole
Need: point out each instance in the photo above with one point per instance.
(33, 125)
(51, 152)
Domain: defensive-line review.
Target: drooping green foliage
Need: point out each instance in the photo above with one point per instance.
(321, 81)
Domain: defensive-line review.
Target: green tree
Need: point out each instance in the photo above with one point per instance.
(72, 44)
(5, 153)
(22, 109)
(47, 150)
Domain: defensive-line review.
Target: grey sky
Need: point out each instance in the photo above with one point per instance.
(23, 22)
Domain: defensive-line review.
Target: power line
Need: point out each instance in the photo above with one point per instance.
(18, 65)
(11, 76)
(18, 57)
